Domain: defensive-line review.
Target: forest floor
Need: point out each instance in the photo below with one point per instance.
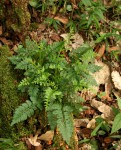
(95, 123)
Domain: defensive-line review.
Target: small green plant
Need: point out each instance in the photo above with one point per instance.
(52, 22)
(8, 144)
(117, 120)
(92, 14)
(52, 82)
(102, 127)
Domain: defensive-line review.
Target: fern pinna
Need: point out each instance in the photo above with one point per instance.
(52, 82)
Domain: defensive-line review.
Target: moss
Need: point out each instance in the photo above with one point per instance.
(60, 144)
(16, 17)
(20, 8)
(9, 98)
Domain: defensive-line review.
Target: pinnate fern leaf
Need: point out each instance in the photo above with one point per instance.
(64, 120)
(23, 112)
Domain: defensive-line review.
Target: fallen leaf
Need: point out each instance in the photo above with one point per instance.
(33, 140)
(34, 35)
(107, 112)
(64, 20)
(91, 124)
(102, 76)
(116, 78)
(89, 112)
(85, 132)
(41, 27)
(100, 51)
(74, 4)
(80, 122)
(114, 48)
(55, 37)
(65, 36)
(48, 136)
(77, 41)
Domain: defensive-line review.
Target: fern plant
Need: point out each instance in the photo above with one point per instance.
(52, 82)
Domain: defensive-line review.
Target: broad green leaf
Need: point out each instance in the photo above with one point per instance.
(116, 123)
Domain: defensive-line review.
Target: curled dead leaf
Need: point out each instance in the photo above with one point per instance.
(100, 51)
(63, 19)
(74, 5)
(114, 48)
(33, 140)
(48, 136)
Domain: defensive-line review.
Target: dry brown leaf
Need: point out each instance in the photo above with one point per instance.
(85, 132)
(33, 140)
(34, 35)
(116, 78)
(102, 76)
(65, 36)
(75, 40)
(74, 5)
(48, 136)
(64, 20)
(91, 124)
(41, 27)
(100, 51)
(80, 122)
(89, 112)
(103, 108)
(114, 48)
(55, 37)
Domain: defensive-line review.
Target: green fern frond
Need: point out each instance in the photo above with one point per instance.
(64, 120)
(51, 95)
(23, 112)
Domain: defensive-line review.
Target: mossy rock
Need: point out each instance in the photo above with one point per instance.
(9, 97)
